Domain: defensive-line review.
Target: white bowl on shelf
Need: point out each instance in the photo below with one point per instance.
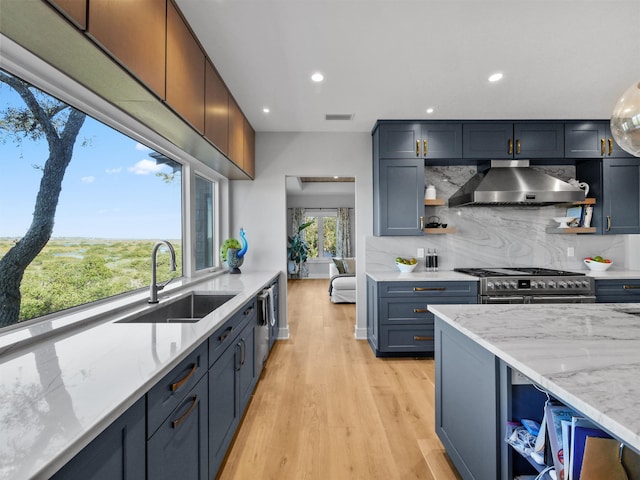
(564, 221)
(597, 266)
(403, 267)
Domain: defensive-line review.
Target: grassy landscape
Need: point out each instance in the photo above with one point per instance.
(73, 271)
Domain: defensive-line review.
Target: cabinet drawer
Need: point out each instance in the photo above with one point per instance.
(429, 289)
(165, 396)
(406, 338)
(623, 291)
(225, 335)
(405, 311)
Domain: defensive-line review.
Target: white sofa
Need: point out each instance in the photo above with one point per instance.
(342, 286)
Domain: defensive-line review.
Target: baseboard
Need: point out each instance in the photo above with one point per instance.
(360, 333)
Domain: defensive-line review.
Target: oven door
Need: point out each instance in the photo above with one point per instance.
(562, 299)
(502, 299)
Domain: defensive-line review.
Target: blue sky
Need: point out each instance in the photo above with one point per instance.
(110, 189)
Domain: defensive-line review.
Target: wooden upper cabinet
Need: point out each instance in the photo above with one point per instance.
(216, 119)
(236, 133)
(249, 151)
(74, 10)
(185, 70)
(134, 33)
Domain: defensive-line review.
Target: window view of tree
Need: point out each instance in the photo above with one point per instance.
(82, 206)
(321, 235)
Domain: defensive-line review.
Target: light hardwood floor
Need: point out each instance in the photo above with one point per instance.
(328, 409)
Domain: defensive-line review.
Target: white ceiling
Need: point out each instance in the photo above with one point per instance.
(385, 59)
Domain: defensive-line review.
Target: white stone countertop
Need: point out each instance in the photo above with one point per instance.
(587, 355)
(59, 392)
(420, 276)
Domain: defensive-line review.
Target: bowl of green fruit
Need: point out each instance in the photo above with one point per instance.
(406, 265)
(598, 263)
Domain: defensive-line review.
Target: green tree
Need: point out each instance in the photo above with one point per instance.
(60, 124)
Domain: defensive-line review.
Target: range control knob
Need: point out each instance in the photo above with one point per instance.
(586, 284)
(571, 284)
(513, 285)
(552, 284)
(534, 285)
(562, 285)
(490, 285)
(542, 284)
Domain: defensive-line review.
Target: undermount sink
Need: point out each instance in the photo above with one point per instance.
(189, 309)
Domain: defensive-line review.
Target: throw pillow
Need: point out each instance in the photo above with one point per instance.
(349, 265)
(339, 265)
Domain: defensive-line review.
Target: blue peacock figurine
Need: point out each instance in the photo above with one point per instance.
(235, 257)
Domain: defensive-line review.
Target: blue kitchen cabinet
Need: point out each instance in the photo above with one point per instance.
(398, 197)
(615, 184)
(487, 140)
(402, 324)
(179, 448)
(591, 139)
(618, 290)
(117, 453)
(426, 140)
(232, 379)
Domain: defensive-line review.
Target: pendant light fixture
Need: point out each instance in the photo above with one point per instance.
(625, 120)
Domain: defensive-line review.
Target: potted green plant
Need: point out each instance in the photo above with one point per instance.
(297, 250)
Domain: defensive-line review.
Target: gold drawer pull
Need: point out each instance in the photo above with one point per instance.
(417, 148)
(510, 147)
(610, 146)
(194, 404)
(518, 146)
(631, 287)
(420, 310)
(226, 333)
(429, 289)
(177, 385)
(426, 148)
(602, 146)
(420, 338)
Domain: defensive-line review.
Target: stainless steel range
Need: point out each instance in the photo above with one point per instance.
(531, 285)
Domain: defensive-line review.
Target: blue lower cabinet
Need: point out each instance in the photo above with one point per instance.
(618, 291)
(117, 453)
(179, 448)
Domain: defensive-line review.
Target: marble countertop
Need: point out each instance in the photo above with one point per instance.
(587, 355)
(60, 392)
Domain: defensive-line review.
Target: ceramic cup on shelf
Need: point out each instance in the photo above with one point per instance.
(430, 193)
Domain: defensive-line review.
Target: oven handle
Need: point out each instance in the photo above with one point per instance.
(562, 299)
(486, 299)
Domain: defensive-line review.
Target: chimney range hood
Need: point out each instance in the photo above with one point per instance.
(514, 182)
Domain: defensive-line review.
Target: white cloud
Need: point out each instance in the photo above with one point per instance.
(89, 179)
(141, 147)
(146, 167)
(112, 171)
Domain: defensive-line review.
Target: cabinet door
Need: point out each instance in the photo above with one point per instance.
(117, 453)
(74, 10)
(614, 150)
(618, 291)
(487, 140)
(134, 33)
(584, 139)
(236, 133)
(179, 449)
(246, 368)
(185, 71)
(400, 192)
(538, 140)
(224, 413)
(216, 121)
(399, 140)
(621, 195)
(443, 140)
(249, 149)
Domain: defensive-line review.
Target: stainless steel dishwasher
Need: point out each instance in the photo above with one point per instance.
(265, 312)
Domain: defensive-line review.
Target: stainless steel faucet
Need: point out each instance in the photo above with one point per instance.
(153, 290)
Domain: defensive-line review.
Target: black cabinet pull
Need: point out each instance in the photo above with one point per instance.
(194, 404)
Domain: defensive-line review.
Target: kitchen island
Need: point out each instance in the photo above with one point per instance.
(62, 384)
(584, 355)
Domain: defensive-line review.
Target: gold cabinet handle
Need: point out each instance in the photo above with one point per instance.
(518, 146)
(425, 147)
(417, 148)
(194, 404)
(421, 338)
(510, 146)
(421, 223)
(602, 146)
(420, 310)
(608, 223)
(631, 287)
(610, 146)
(429, 289)
(177, 385)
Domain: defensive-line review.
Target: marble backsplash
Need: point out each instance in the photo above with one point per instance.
(496, 236)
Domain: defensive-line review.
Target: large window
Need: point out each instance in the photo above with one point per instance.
(81, 206)
(321, 234)
(204, 222)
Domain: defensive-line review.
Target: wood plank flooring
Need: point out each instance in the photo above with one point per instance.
(327, 408)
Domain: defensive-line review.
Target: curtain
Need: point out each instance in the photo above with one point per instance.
(343, 233)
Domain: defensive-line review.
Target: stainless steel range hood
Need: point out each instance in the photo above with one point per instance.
(514, 182)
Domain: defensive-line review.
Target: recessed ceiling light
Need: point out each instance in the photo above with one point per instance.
(495, 77)
(317, 77)
(430, 110)
(265, 110)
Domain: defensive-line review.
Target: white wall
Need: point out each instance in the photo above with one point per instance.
(260, 206)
